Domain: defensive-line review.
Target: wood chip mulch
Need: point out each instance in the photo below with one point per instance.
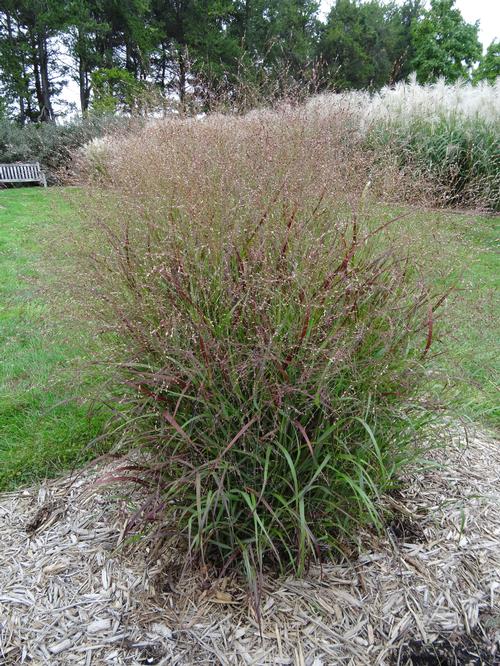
(426, 592)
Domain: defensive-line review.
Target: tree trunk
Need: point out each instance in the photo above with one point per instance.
(25, 97)
(84, 85)
(182, 79)
(83, 73)
(48, 112)
(163, 66)
(129, 61)
(247, 22)
(36, 73)
(40, 70)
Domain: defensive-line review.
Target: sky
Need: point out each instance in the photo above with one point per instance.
(487, 11)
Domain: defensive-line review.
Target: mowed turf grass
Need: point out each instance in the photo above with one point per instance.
(47, 417)
(473, 357)
(46, 420)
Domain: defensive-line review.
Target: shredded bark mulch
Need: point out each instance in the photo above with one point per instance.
(426, 593)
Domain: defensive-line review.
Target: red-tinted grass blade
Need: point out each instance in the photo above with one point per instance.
(430, 324)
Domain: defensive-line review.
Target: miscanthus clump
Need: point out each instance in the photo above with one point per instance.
(272, 332)
(444, 136)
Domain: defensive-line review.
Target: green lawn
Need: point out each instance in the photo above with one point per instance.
(474, 351)
(466, 343)
(46, 422)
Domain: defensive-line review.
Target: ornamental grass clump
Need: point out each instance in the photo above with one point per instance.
(443, 138)
(449, 134)
(271, 333)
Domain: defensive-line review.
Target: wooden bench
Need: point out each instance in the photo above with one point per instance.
(22, 173)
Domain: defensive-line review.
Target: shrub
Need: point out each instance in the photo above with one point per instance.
(51, 144)
(272, 335)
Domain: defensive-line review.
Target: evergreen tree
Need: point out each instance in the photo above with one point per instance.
(279, 31)
(15, 80)
(367, 44)
(196, 45)
(110, 34)
(404, 18)
(31, 70)
(122, 49)
(42, 22)
(85, 32)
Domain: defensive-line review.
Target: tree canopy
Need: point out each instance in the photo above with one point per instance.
(367, 45)
(445, 44)
(489, 66)
(119, 50)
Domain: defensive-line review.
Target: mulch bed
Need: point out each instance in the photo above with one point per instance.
(425, 593)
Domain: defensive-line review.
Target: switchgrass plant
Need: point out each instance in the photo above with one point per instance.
(273, 332)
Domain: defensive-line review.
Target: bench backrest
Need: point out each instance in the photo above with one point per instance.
(20, 173)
